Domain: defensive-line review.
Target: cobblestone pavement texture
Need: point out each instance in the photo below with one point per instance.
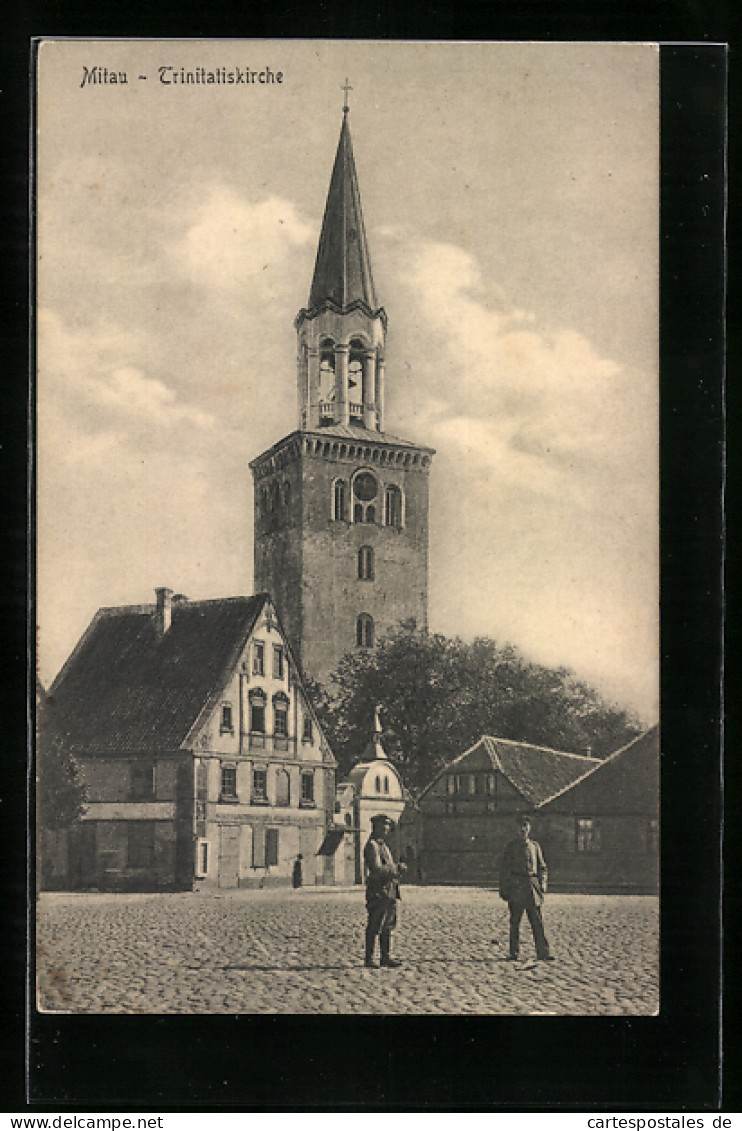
(279, 951)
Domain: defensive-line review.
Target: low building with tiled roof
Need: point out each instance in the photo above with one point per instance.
(465, 815)
(597, 820)
(203, 760)
(602, 831)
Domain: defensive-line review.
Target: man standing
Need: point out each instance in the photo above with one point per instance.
(382, 891)
(523, 878)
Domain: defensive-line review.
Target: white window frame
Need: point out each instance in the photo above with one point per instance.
(202, 844)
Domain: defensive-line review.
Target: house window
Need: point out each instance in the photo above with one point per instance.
(283, 788)
(472, 783)
(456, 783)
(307, 735)
(338, 500)
(260, 787)
(258, 658)
(271, 847)
(202, 859)
(278, 664)
(142, 781)
(393, 507)
(226, 726)
(653, 836)
(257, 712)
(281, 720)
(201, 781)
(377, 783)
(229, 783)
(386, 784)
(307, 788)
(140, 844)
(366, 563)
(365, 631)
(587, 834)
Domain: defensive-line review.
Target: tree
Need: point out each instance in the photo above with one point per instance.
(439, 695)
(60, 796)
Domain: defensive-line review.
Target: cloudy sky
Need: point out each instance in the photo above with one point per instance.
(510, 193)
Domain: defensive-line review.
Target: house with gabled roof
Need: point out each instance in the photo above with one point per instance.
(203, 760)
(602, 831)
(464, 818)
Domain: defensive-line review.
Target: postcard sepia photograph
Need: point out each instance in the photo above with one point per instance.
(347, 527)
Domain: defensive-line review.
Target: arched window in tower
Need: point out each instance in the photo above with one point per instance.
(286, 494)
(365, 631)
(393, 507)
(355, 381)
(366, 563)
(339, 505)
(365, 490)
(327, 381)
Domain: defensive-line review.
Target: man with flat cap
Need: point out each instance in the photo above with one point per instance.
(523, 877)
(382, 891)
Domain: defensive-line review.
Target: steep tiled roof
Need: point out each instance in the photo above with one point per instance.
(124, 689)
(535, 771)
(627, 780)
(342, 273)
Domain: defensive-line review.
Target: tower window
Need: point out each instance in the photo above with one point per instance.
(366, 563)
(365, 631)
(393, 509)
(286, 494)
(365, 490)
(338, 500)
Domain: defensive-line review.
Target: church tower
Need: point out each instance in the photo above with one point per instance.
(341, 506)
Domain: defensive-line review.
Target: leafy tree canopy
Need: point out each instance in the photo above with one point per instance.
(439, 695)
(60, 796)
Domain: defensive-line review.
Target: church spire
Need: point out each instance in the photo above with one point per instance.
(340, 361)
(342, 272)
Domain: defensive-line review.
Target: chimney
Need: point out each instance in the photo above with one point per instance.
(163, 610)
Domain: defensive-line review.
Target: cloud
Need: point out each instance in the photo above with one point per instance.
(231, 241)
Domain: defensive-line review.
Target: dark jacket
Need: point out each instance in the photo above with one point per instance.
(382, 876)
(523, 872)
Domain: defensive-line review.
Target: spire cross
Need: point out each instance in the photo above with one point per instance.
(345, 89)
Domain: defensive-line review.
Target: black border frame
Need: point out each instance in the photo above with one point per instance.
(274, 1064)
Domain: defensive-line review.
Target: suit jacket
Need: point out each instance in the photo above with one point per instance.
(381, 871)
(523, 872)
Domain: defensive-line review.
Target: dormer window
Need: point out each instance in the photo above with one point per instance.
(280, 715)
(226, 725)
(257, 711)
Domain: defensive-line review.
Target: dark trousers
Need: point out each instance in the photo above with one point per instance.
(537, 926)
(382, 919)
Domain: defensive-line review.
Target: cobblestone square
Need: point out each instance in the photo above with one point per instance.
(282, 951)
